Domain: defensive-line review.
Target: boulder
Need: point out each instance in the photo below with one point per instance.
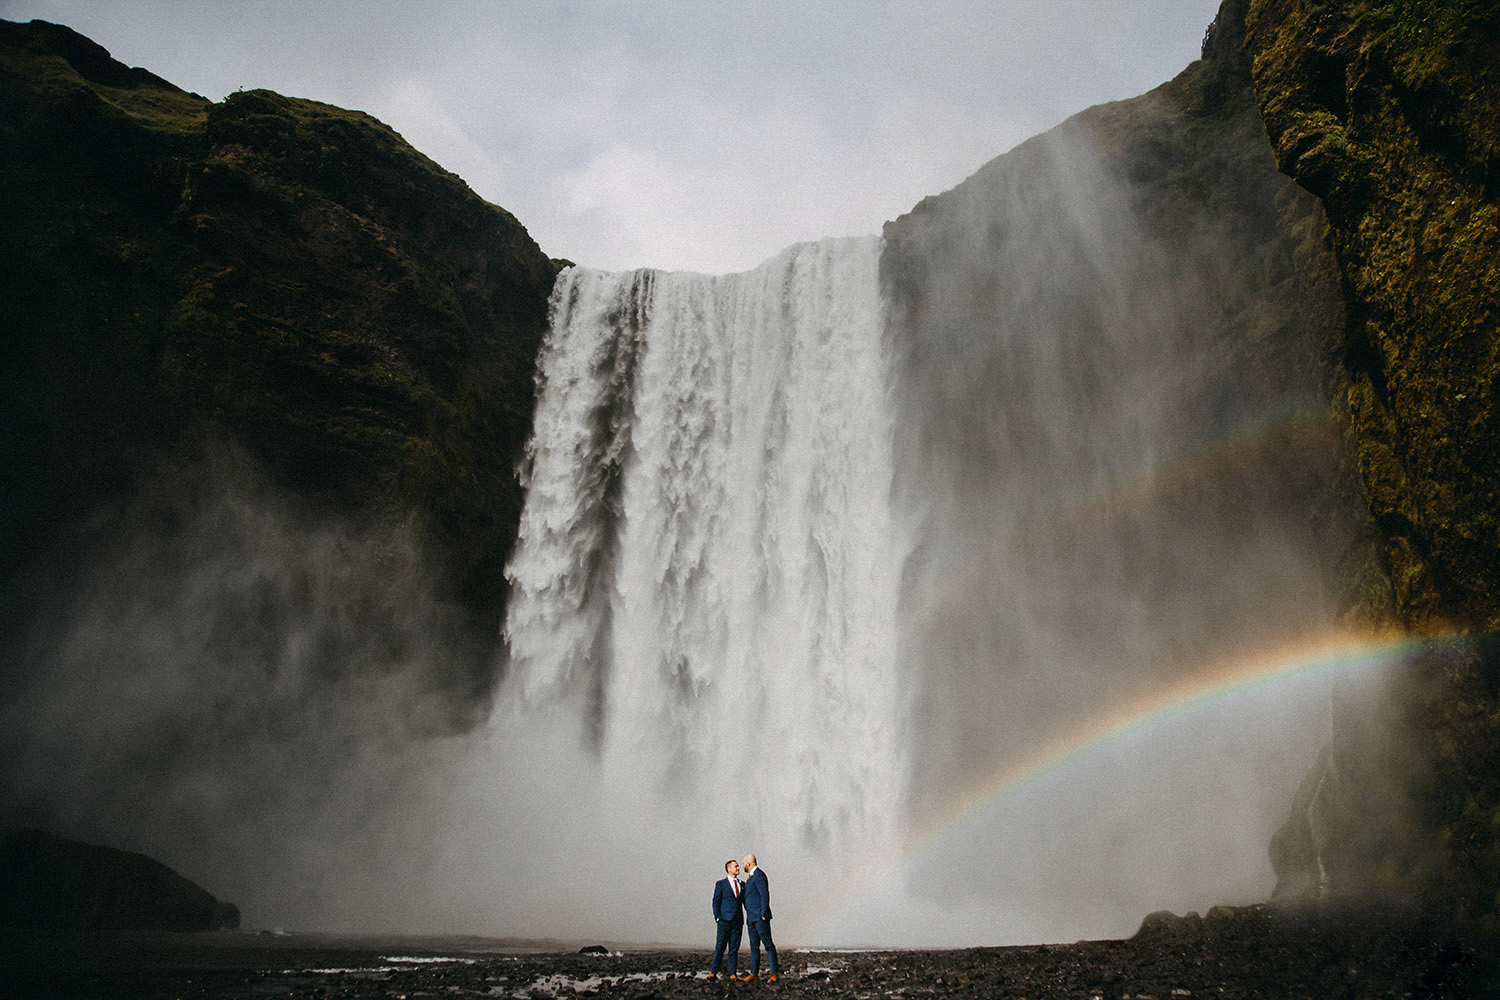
(56, 886)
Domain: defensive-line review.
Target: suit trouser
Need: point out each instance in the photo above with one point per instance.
(729, 937)
(760, 930)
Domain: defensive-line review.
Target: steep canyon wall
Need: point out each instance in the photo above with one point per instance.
(1120, 443)
(1119, 406)
(1388, 113)
(265, 374)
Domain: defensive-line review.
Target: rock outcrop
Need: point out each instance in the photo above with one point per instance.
(265, 377)
(49, 885)
(1390, 114)
(269, 276)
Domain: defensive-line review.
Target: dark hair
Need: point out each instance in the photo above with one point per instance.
(728, 863)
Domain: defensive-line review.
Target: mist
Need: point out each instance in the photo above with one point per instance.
(1115, 483)
(249, 689)
(812, 555)
(1126, 473)
(1112, 471)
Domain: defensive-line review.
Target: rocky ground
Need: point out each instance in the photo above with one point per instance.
(1238, 954)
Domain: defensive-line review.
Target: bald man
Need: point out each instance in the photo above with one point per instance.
(758, 920)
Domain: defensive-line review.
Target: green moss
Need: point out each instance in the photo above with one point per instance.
(63, 68)
(1390, 113)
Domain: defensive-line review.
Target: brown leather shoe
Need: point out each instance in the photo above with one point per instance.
(771, 978)
(748, 977)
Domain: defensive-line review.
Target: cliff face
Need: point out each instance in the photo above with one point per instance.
(265, 375)
(1115, 337)
(1390, 113)
(265, 276)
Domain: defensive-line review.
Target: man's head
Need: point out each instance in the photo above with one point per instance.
(749, 862)
(732, 867)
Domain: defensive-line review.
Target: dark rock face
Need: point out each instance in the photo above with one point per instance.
(51, 885)
(265, 375)
(1388, 112)
(281, 278)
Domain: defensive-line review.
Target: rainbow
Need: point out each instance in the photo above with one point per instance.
(1289, 434)
(1270, 438)
(1328, 656)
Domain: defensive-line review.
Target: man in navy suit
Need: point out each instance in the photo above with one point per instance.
(758, 918)
(729, 916)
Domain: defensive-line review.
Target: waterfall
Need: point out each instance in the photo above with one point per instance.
(707, 569)
(817, 556)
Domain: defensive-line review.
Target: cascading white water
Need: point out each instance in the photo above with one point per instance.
(812, 553)
(708, 563)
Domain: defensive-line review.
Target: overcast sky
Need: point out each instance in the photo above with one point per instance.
(683, 135)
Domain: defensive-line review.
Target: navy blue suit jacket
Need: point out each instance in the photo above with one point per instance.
(758, 896)
(728, 906)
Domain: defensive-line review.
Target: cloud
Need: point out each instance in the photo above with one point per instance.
(415, 107)
(676, 134)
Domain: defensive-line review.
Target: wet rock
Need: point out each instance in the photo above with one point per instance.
(1164, 925)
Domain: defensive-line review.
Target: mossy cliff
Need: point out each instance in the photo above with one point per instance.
(1389, 112)
(268, 276)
